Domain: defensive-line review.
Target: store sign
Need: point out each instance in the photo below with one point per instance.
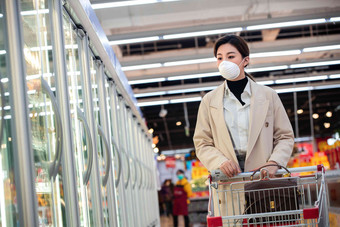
(170, 162)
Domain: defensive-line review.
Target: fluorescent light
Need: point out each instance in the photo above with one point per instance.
(334, 19)
(275, 53)
(301, 79)
(127, 3)
(321, 87)
(187, 62)
(154, 103)
(202, 33)
(146, 66)
(322, 63)
(321, 48)
(286, 24)
(270, 68)
(194, 99)
(2, 52)
(154, 80)
(34, 12)
(157, 93)
(136, 40)
(303, 139)
(193, 76)
(1, 15)
(334, 76)
(297, 89)
(122, 3)
(267, 82)
(191, 90)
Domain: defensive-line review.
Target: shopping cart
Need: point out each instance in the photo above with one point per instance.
(304, 203)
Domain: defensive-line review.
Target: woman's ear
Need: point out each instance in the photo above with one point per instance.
(246, 61)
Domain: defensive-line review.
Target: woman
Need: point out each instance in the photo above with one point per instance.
(241, 125)
(182, 191)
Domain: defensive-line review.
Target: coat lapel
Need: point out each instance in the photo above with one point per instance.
(216, 107)
(258, 111)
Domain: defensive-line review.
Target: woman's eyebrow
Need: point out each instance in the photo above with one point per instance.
(227, 53)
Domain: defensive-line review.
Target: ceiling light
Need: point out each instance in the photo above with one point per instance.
(136, 40)
(312, 64)
(301, 79)
(315, 116)
(300, 111)
(187, 62)
(334, 19)
(321, 48)
(153, 145)
(127, 3)
(2, 52)
(191, 90)
(286, 24)
(146, 81)
(163, 113)
(193, 76)
(178, 123)
(151, 130)
(275, 53)
(202, 33)
(334, 76)
(156, 150)
(149, 94)
(137, 67)
(194, 99)
(153, 103)
(327, 124)
(263, 69)
(329, 114)
(266, 82)
(288, 90)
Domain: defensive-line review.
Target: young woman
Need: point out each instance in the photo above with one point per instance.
(241, 125)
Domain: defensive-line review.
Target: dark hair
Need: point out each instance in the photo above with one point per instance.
(238, 42)
(180, 171)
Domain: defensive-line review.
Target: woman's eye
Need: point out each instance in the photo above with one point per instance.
(231, 57)
(219, 59)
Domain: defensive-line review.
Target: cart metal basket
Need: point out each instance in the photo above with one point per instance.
(305, 203)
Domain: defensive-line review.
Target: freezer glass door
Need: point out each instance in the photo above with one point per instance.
(44, 114)
(102, 146)
(8, 197)
(81, 133)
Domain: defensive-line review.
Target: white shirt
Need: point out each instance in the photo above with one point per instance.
(236, 117)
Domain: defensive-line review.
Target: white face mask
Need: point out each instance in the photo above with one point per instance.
(229, 70)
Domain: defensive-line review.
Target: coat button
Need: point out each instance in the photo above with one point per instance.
(267, 124)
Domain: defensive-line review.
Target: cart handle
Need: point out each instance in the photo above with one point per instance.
(217, 174)
(263, 168)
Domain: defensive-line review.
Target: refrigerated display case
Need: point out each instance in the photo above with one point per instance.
(75, 150)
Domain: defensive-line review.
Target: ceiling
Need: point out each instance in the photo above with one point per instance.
(167, 18)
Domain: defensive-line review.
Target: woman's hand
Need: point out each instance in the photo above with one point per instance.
(270, 169)
(230, 168)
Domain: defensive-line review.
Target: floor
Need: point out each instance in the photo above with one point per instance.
(168, 222)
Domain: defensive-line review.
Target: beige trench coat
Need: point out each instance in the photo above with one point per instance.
(270, 132)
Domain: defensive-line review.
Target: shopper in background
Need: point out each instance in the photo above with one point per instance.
(167, 194)
(241, 125)
(182, 191)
